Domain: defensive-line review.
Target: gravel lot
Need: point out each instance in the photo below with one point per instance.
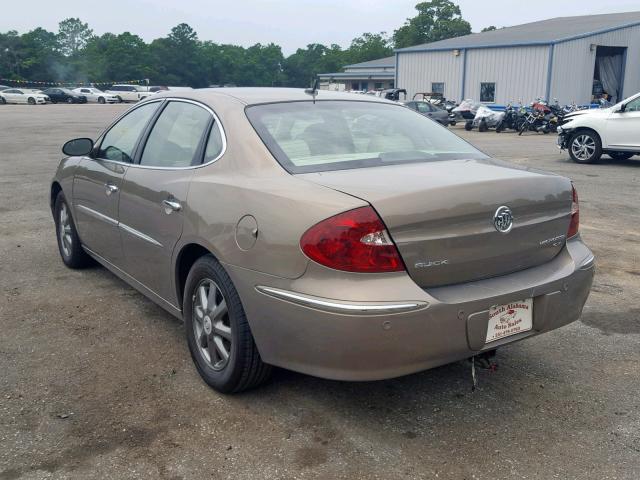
(96, 381)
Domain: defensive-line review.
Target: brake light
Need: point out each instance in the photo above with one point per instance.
(353, 241)
(574, 225)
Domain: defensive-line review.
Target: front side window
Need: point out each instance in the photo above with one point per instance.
(488, 92)
(633, 106)
(424, 107)
(336, 135)
(119, 142)
(437, 87)
(176, 136)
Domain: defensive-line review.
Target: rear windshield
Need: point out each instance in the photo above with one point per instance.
(336, 135)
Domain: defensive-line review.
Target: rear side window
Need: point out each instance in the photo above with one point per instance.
(119, 142)
(335, 135)
(215, 144)
(176, 136)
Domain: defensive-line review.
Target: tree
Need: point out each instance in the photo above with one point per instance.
(369, 46)
(73, 35)
(436, 20)
(9, 54)
(489, 29)
(117, 58)
(36, 52)
(302, 67)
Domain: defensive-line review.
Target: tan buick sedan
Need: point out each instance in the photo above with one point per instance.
(338, 235)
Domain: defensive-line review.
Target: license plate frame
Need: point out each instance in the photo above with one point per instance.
(508, 319)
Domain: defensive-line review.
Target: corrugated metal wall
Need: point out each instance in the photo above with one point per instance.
(574, 63)
(417, 71)
(520, 73)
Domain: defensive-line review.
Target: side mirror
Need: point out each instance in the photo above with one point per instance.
(78, 147)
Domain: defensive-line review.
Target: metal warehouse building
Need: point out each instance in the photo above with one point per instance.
(372, 75)
(570, 58)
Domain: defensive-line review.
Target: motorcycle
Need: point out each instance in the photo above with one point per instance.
(484, 119)
(513, 119)
(466, 110)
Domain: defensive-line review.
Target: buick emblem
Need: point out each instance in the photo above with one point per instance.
(503, 219)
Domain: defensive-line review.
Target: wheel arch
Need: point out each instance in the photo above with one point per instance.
(186, 257)
(56, 188)
(581, 129)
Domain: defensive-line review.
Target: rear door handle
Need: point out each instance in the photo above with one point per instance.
(110, 188)
(171, 206)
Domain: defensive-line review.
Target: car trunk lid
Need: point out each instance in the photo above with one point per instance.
(441, 215)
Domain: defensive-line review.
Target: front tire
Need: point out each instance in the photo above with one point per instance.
(585, 147)
(218, 334)
(31, 100)
(101, 100)
(71, 251)
(468, 125)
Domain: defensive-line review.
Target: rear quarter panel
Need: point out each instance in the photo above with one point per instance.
(247, 180)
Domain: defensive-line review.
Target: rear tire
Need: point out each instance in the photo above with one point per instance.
(69, 100)
(523, 128)
(585, 147)
(218, 334)
(71, 251)
(3, 101)
(621, 155)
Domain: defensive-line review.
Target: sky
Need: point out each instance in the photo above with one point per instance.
(291, 24)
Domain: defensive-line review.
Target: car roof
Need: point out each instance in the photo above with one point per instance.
(258, 95)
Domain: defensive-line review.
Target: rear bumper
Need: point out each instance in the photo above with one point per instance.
(379, 327)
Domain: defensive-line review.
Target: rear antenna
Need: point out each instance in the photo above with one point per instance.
(314, 90)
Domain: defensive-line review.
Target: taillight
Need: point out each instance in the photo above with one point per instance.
(574, 226)
(354, 241)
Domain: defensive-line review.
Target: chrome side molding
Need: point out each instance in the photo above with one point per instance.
(342, 307)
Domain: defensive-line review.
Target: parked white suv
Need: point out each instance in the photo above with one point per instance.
(129, 93)
(614, 131)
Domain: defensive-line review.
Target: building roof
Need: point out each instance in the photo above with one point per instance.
(544, 32)
(378, 63)
(359, 75)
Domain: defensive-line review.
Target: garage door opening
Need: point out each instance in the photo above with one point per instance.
(608, 75)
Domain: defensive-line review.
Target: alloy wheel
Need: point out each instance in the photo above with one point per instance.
(583, 147)
(211, 324)
(64, 230)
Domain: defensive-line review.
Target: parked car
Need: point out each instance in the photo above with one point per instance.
(94, 95)
(614, 131)
(348, 238)
(393, 94)
(129, 93)
(64, 95)
(3, 87)
(429, 110)
(22, 95)
(156, 88)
